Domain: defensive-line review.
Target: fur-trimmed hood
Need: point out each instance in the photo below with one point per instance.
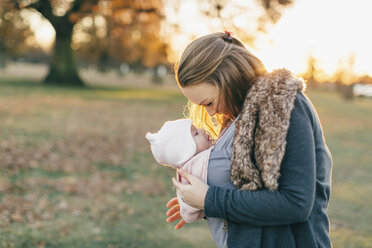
(261, 130)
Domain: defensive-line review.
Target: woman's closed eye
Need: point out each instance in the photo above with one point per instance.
(209, 104)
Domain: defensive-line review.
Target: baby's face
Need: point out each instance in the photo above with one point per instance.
(201, 138)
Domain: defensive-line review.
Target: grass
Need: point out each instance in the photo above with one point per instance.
(76, 171)
(348, 130)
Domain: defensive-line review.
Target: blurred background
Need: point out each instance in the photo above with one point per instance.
(82, 81)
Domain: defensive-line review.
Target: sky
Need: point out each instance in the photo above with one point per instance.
(333, 32)
(43, 30)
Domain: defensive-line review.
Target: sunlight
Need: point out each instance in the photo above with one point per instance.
(331, 31)
(44, 32)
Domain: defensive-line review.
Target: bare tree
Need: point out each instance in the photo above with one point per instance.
(257, 13)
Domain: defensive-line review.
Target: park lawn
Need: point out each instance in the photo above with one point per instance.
(76, 170)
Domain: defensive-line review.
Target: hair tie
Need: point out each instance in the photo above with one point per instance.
(227, 37)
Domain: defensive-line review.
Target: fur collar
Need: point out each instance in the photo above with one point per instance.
(261, 130)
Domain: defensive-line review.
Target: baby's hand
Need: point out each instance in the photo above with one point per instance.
(174, 213)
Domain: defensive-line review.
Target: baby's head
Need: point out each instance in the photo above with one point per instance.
(177, 141)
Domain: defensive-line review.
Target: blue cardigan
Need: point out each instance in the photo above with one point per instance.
(295, 214)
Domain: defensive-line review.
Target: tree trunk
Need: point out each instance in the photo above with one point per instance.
(63, 67)
(2, 61)
(3, 56)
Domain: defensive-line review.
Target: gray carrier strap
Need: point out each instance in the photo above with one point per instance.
(225, 143)
(219, 160)
(219, 175)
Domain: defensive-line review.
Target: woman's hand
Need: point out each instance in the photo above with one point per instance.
(174, 213)
(193, 193)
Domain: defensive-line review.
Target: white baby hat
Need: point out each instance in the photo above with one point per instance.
(173, 144)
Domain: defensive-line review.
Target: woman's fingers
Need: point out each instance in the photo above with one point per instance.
(174, 213)
(174, 217)
(176, 184)
(173, 210)
(180, 224)
(185, 175)
(172, 202)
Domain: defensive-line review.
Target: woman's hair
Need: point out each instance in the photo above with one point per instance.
(222, 62)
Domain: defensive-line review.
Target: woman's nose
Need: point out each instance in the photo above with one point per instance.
(211, 112)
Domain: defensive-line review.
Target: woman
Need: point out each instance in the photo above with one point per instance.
(273, 189)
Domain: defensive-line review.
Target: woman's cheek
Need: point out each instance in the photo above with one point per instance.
(210, 111)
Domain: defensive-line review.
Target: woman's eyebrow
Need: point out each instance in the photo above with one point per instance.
(202, 101)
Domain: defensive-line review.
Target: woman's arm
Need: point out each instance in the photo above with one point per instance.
(293, 201)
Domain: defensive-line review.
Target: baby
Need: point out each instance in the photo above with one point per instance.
(180, 144)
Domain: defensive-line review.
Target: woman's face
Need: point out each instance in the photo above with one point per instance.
(207, 95)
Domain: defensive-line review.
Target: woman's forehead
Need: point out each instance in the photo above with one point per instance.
(201, 92)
